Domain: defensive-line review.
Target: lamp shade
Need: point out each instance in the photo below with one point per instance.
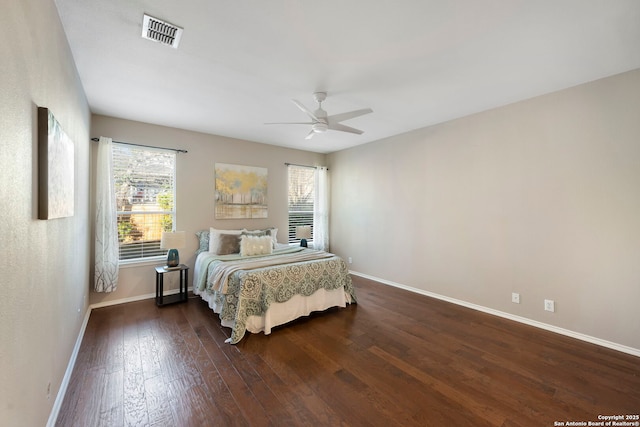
(172, 240)
(303, 232)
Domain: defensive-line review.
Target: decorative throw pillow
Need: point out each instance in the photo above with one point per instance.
(203, 240)
(256, 245)
(274, 236)
(214, 238)
(255, 233)
(272, 232)
(228, 244)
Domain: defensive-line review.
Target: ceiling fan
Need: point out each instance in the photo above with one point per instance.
(321, 122)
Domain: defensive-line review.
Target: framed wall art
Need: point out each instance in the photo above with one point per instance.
(55, 168)
(240, 192)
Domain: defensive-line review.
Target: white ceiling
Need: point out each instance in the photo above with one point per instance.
(415, 63)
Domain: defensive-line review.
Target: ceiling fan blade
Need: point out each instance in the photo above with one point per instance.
(310, 135)
(343, 128)
(349, 115)
(290, 123)
(305, 110)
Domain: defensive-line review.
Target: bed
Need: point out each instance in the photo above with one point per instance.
(257, 288)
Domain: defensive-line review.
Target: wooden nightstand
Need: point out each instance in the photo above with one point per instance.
(161, 299)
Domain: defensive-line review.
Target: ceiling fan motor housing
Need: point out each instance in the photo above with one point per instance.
(320, 124)
(321, 115)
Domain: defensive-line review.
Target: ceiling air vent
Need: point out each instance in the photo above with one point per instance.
(160, 31)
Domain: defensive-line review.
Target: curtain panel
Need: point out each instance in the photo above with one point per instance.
(106, 237)
(321, 210)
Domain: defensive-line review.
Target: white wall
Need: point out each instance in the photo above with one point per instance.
(195, 188)
(45, 264)
(541, 197)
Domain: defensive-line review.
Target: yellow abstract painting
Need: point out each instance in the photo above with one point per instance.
(240, 191)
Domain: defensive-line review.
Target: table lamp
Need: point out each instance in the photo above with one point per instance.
(303, 232)
(173, 241)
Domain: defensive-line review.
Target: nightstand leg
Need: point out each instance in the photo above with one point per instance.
(181, 282)
(186, 282)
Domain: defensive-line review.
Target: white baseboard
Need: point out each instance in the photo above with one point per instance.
(530, 322)
(132, 299)
(53, 416)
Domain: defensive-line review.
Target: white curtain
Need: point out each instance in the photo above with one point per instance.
(321, 210)
(107, 253)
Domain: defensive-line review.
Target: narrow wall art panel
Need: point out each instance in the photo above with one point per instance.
(240, 192)
(55, 168)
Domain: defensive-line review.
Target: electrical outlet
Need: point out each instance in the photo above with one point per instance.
(549, 305)
(48, 391)
(350, 260)
(515, 297)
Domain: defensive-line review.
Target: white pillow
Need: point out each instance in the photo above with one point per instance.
(274, 236)
(272, 231)
(256, 245)
(214, 238)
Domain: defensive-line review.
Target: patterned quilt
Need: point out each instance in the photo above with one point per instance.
(252, 286)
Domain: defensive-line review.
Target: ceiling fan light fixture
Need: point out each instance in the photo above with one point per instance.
(320, 127)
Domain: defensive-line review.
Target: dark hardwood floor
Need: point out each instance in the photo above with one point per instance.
(396, 358)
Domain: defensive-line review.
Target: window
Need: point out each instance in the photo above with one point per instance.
(144, 181)
(301, 199)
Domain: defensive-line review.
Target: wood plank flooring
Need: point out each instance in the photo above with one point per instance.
(395, 358)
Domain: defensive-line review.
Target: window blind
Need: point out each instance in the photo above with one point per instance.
(144, 180)
(301, 197)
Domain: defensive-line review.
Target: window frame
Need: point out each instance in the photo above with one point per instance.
(310, 214)
(153, 245)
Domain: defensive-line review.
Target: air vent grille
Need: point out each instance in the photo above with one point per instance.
(160, 31)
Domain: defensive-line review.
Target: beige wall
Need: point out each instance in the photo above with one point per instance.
(195, 188)
(541, 197)
(45, 264)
